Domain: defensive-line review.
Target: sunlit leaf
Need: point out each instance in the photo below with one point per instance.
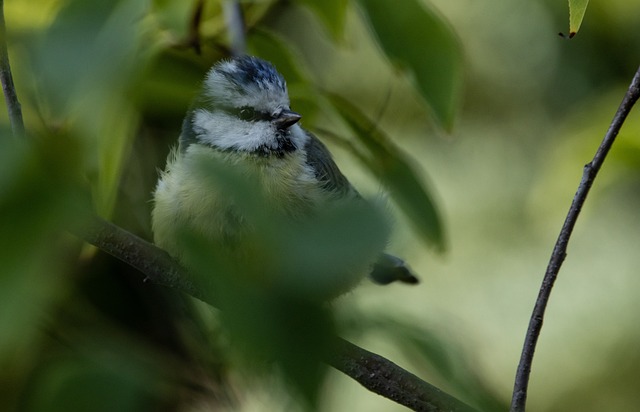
(34, 14)
(577, 8)
(332, 13)
(391, 167)
(417, 39)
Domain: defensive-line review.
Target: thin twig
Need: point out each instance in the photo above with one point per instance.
(10, 95)
(235, 25)
(591, 169)
(193, 38)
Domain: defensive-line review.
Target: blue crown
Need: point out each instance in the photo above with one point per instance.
(252, 71)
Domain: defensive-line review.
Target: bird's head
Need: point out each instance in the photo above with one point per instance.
(244, 106)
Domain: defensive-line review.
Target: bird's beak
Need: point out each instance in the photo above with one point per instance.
(286, 119)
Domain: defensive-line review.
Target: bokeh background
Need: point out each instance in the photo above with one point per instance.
(104, 86)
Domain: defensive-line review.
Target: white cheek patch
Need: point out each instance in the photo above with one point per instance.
(298, 136)
(225, 131)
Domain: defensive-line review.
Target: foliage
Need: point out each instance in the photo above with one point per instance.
(577, 8)
(104, 86)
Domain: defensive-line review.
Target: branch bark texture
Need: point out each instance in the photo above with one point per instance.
(374, 372)
(8, 88)
(153, 262)
(381, 376)
(518, 401)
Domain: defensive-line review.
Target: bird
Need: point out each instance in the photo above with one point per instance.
(242, 122)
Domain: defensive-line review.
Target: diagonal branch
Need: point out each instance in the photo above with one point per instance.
(591, 169)
(154, 263)
(381, 376)
(374, 372)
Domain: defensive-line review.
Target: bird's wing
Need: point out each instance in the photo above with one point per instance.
(387, 268)
(325, 169)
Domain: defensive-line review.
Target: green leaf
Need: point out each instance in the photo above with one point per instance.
(86, 61)
(577, 8)
(332, 13)
(316, 258)
(75, 383)
(37, 200)
(415, 38)
(173, 16)
(390, 166)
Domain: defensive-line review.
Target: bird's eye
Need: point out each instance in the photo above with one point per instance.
(247, 113)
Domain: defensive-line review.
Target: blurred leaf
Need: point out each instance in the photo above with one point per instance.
(85, 62)
(255, 11)
(577, 8)
(31, 15)
(79, 384)
(391, 167)
(91, 49)
(114, 143)
(313, 251)
(331, 253)
(167, 86)
(173, 16)
(433, 56)
(332, 13)
(267, 327)
(38, 198)
(272, 275)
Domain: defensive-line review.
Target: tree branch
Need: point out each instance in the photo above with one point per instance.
(235, 26)
(381, 376)
(153, 262)
(10, 96)
(372, 371)
(591, 169)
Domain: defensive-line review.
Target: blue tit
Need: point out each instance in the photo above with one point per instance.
(242, 119)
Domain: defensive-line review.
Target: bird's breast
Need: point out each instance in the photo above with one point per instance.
(189, 197)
